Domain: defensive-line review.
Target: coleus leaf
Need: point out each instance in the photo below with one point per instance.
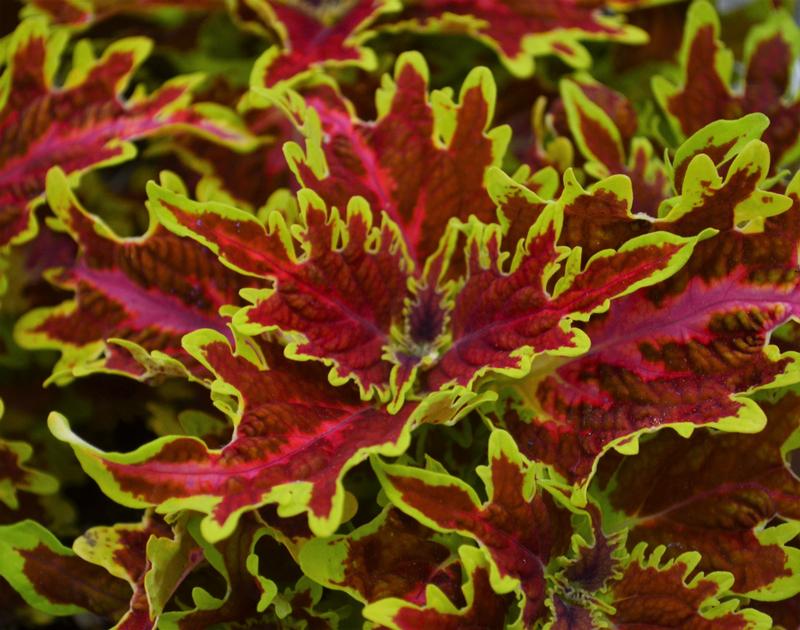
(720, 140)
(342, 300)
(121, 550)
(704, 93)
(247, 593)
(715, 493)
(80, 13)
(51, 578)
(545, 147)
(335, 296)
(521, 527)
(568, 616)
(484, 607)
(146, 292)
(250, 600)
(685, 352)
(248, 180)
(518, 32)
(311, 37)
(652, 593)
(603, 586)
(296, 436)
(391, 556)
(15, 476)
(505, 318)
(292, 532)
(595, 114)
(84, 123)
(423, 161)
(707, 68)
(605, 215)
(501, 320)
(170, 559)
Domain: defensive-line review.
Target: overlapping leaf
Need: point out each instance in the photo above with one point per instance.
(423, 161)
(483, 608)
(312, 36)
(51, 578)
(704, 93)
(347, 292)
(603, 122)
(302, 600)
(391, 556)
(685, 351)
(520, 31)
(522, 527)
(652, 593)
(409, 282)
(121, 550)
(568, 571)
(245, 179)
(335, 296)
(715, 493)
(170, 560)
(79, 13)
(720, 140)
(247, 593)
(502, 319)
(296, 436)
(84, 123)
(104, 559)
(15, 476)
(544, 147)
(644, 590)
(608, 213)
(147, 292)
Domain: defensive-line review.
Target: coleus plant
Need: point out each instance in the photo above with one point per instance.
(436, 366)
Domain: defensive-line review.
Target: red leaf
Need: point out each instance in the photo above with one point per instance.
(650, 594)
(684, 351)
(335, 297)
(148, 291)
(421, 171)
(520, 527)
(83, 124)
(571, 617)
(246, 595)
(705, 93)
(391, 556)
(520, 30)
(53, 579)
(484, 608)
(122, 550)
(715, 493)
(311, 37)
(296, 436)
(603, 122)
(77, 13)
(503, 319)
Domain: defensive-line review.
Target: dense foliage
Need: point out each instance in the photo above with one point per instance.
(400, 314)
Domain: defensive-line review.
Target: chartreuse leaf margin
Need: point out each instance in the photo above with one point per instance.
(454, 314)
